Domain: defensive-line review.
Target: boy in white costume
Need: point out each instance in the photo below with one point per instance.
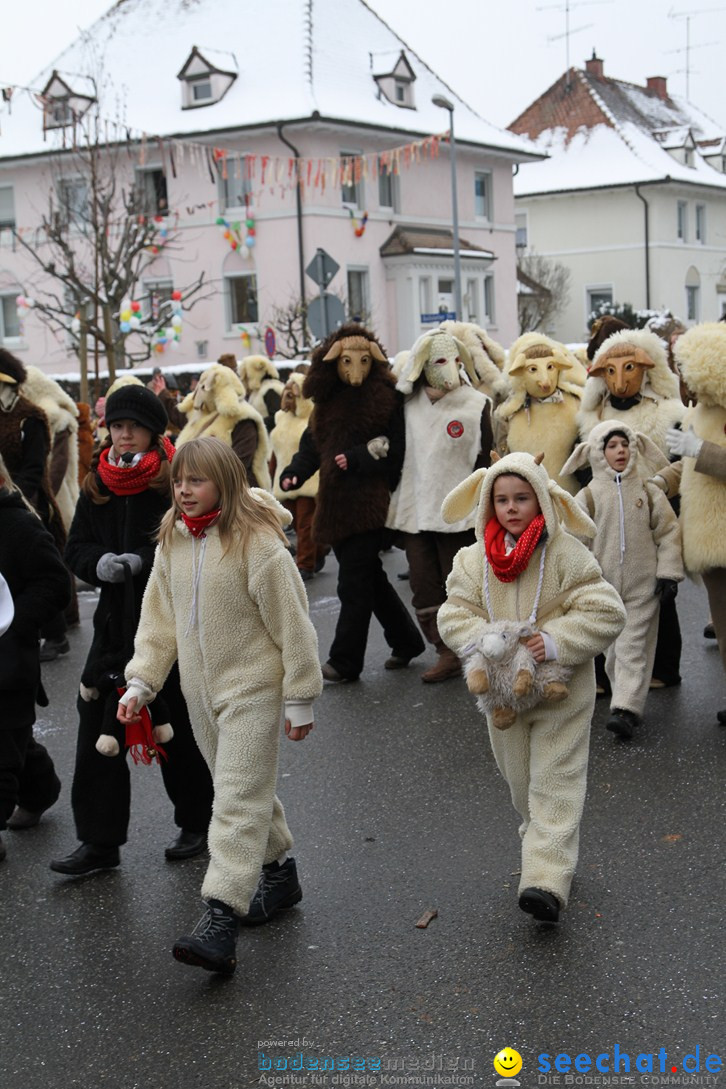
(524, 565)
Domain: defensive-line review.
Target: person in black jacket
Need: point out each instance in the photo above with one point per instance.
(38, 583)
(121, 504)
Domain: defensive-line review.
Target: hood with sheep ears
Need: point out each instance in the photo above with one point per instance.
(645, 456)
(658, 380)
(559, 508)
(431, 345)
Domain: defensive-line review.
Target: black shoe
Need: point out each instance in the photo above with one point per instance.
(540, 904)
(278, 889)
(305, 574)
(212, 945)
(186, 845)
(330, 674)
(24, 818)
(721, 716)
(319, 566)
(87, 858)
(709, 632)
(52, 648)
(3, 849)
(622, 723)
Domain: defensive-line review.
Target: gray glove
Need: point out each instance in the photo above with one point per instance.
(132, 559)
(109, 569)
(685, 443)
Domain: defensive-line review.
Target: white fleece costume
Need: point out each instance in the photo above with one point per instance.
(638, 540)
(62, 416)
(240, 629)
(543, 755)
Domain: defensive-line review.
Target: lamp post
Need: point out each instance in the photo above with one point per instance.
(445, 104)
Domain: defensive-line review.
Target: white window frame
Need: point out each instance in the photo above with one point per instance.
(243, 184)
(701, 223)
(232, 322)
(682, 220)
(9, 338)
(486, 175)
(596, 289)
(489, 300)
(357, 188)
(363, 272)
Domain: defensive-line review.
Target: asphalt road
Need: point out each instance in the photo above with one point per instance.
(397, 808)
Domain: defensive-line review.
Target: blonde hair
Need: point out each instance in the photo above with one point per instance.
(243, 513)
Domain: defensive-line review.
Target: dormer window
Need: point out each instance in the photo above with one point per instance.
(66, 99)
(203, 81)
(397, 85)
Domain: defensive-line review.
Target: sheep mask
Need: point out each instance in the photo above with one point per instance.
(292, 400)
(541, 366)
(354, 357)
(643, 452)
(218, 390)
(559, 508)
(630, 363)
(439, 357)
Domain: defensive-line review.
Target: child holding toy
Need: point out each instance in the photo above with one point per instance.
(638, 546)
(525, 566)
(226, 598)
(122, 501)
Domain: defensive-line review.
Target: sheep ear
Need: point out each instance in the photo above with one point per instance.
(572, 516)
(226, 398)
(377, 353)
(579, 457)
(464, 498)
(494, 457)
(334, 351)
(651, 454)
(518, 364)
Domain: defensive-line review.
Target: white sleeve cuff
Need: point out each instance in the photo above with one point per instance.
(299, 712)
(550, 647)
(138, 690)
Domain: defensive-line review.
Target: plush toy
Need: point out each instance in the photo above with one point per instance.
(502, 673)
(142, 739)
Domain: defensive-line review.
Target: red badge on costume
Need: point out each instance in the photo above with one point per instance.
(455, 429)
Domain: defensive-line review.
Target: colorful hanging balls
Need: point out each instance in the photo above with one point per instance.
(135, 306)
(176, 296)
(220, 221)
(236, 225)
(125, 327)
(125, 315)
(135, 324)
(244, 252)
(20, 301)
(233, 244)
(250, 241)
(249, 223)
(176, 321)
(251, 232)
(159, 348)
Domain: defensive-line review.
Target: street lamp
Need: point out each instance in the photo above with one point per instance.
(445, 104)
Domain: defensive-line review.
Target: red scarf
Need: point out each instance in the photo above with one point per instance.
(198, 526)
(509, 567)
(133, 479)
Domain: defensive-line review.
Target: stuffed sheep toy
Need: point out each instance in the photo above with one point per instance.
(502, 673)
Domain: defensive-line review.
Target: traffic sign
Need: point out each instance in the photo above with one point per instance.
(322, 268)
(325, 314)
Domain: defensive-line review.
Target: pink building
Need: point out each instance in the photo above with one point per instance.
(304, 124)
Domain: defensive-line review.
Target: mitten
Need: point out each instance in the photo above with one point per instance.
(685, 443)
(666, 590)
(132, 559)
(109, 569)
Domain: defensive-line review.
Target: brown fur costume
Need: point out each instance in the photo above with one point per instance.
(344, 417)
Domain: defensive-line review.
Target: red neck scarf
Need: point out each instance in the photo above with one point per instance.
(133, 479)
(198, 526)
(508, 567)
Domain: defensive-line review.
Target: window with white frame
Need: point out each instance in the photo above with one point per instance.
(7, 206)
(471, 300)
(358, 295)
(482, 194)
(598, 297)
(520, 225)
(351, 186)
(73, 200)
(153, 199)
(241, 295)
(156, 300)
(236, 188)
(700, 223)
(682, 220)
(387, 187)
(9, 319)
(489, 300)
(692, 302)
(200, 89)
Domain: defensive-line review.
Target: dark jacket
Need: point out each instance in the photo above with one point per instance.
(40, 586)
(123, 524)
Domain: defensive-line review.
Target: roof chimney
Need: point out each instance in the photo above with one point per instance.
(658, 84)
(594, 66)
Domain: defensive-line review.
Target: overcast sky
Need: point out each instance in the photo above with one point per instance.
(498, 55)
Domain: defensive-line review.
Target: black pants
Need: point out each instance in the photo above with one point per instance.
(364, 591)
(27, 774)
(101, 791)
(666, 666)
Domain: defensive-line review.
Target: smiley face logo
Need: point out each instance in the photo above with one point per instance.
(508, 1062)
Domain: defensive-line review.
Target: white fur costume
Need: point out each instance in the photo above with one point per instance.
(285, 442)
(62, 416)
(241, 631)
(543, 755)
(637, 542)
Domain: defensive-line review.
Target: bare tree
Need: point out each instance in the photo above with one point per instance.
(543, 291)
(104, 227)
(294, 338)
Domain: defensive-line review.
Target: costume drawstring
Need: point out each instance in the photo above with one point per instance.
(618, 479)
(532, 619)
(197, 574)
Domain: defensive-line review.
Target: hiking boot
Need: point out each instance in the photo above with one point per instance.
(622, 723)
(212, 945)
(186, 845)
(447, 665)
(24, 818)
(542, 905)
(52, 648)
(277, 890)
(87, 858)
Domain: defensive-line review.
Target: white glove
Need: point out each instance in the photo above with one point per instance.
(108, 568)
(659, 482)
(685, 443)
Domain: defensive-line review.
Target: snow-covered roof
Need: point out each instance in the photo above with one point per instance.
(296, 59)
(628, 145)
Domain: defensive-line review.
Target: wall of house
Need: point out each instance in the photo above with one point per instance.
(424, 198)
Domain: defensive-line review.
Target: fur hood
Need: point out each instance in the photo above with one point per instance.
(322, 381)
(571, 378)
(226, 394)
(46, 394)
(418, 357)
(559, 508)
(254, 369)
(701, 357)
(645, 457)
(659, 382)
(303, 405)
(487, 356)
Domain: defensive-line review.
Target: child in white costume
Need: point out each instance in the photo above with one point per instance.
(224, 597)
(555, 582)
(638, 546)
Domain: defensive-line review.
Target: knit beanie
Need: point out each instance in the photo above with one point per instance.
(603, 328)
(139, 404)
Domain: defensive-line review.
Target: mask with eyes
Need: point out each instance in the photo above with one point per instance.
(623, 369)
(9, 393)
(354, 356)
(539, 368)
(441, 370)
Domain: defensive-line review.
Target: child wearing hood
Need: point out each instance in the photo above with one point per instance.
(638, 546)
(524, 565)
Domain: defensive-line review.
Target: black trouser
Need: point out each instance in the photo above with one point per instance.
(27, 775)
(101, 791)
(666, 666)
(364, 591)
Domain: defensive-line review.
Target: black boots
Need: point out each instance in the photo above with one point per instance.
(87, 858)
(186, 845)
(212, 945)
(278, 889)
(622, 723)
(542, 905)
